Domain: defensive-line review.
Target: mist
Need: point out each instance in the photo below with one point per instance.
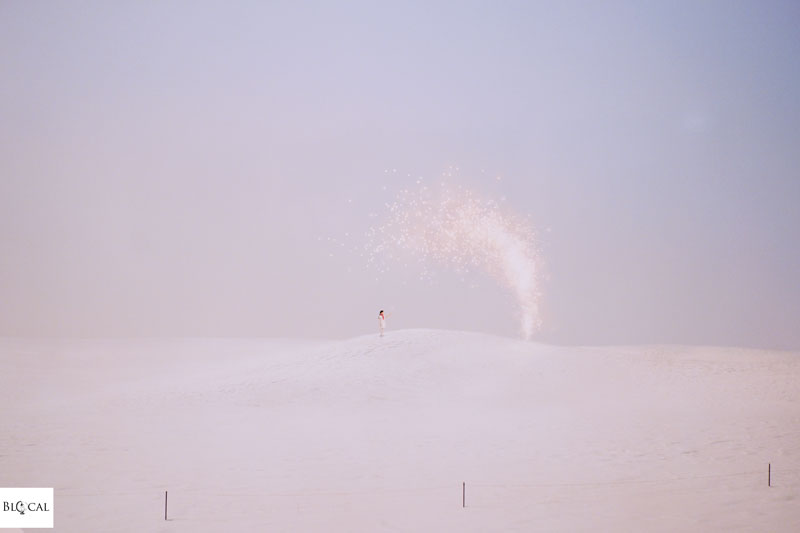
(206, 169)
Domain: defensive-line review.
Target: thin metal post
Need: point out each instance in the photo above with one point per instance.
(166, 495)
(464, 494)
(769, 474)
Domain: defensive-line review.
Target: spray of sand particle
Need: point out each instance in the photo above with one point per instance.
(454, 227)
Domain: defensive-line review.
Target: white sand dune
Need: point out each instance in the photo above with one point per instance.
(377, 434)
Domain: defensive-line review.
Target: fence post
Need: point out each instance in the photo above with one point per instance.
(463, 494)
(166, 495)
(769, 474)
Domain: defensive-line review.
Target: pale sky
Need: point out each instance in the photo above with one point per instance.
(176, 168)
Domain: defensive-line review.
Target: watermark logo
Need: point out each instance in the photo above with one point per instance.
(26, 507)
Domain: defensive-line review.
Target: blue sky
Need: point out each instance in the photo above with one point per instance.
(170, 168)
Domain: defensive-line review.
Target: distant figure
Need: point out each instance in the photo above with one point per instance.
(382, 321)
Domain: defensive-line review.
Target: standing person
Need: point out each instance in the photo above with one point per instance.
(382, 321)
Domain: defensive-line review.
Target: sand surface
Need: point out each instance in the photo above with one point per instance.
(378, 434)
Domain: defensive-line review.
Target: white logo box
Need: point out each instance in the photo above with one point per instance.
(26, 508)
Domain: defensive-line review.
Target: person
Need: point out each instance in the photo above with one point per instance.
(382, 321)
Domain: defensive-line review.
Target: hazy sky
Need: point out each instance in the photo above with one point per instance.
(176, 168)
